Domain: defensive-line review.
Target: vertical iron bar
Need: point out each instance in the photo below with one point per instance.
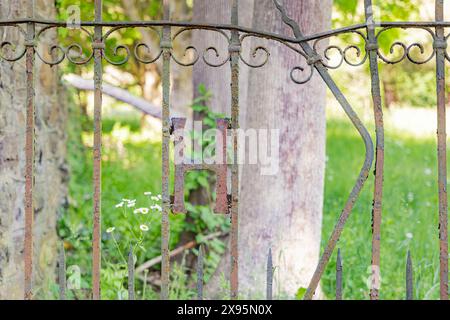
(98, 77)
(409, 277)
(316, 61)
(166, 46)
(440, 46)
(235, 49)
(62, 272)
(131, 274)
(29, 155)
(339, 276)
(372, 49)
(269, 291)
(200, 274)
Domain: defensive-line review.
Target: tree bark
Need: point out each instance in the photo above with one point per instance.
(217, 80)
(282, 211)
(50, 167)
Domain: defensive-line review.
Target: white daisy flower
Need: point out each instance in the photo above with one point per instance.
(110, 230)
(131, 204)
(148, 193)
(120, 205)
(144, 210)
(409, 235)
(154, 198)
(143, 227)
(156, 207)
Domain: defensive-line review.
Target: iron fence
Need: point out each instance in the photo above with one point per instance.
(228, 200)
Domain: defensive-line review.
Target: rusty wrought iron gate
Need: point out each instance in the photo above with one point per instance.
(228, 200)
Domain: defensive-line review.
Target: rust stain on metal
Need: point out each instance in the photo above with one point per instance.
(339, 276)
(409, 278)
(62, 272)
(220, 168)
(131, 295)
(200, 273)
(166, 46)
(29, 158)
(440, 47)
(372, 49)
(234, 49)
(97, 150)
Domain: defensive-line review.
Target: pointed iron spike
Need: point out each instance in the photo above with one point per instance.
(200, 273)
(62, 272)
(339, 276)
(131, 274)
(269, 291)
(409, 277)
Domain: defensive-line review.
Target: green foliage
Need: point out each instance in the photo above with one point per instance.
(300, 293)
(131, 167)
(410, 216)
(203, 216)
(112, 11)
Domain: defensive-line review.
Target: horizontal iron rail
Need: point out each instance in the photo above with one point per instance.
(229, 27)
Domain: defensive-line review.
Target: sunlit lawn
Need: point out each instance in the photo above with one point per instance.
(410, 214)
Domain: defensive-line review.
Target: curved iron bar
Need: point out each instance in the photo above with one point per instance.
(267, 56)
(343, 52)
(406, 50)
(212, 49)
(254, 52)
(8, 44)
(73, 48)
(229, 27)
(447, 55)
(221, 28)
(136, 48)
(368, 160)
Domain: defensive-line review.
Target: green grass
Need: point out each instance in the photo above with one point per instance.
(133, 166)
(410, 206)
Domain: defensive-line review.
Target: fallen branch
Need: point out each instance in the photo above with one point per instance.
(118, 94)
(177, 251)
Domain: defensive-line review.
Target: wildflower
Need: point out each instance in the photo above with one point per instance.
(428, 171)
(156, 207)
(148, 193)
(409, 235)
(110, 230)
(410, 197)
(141, 210)
(143, 227)
(154, 198)
(131, 204)
(120, 205)
(159, 197)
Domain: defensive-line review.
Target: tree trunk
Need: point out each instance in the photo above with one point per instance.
(217, 80)
(282, 211)
(50, 167)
